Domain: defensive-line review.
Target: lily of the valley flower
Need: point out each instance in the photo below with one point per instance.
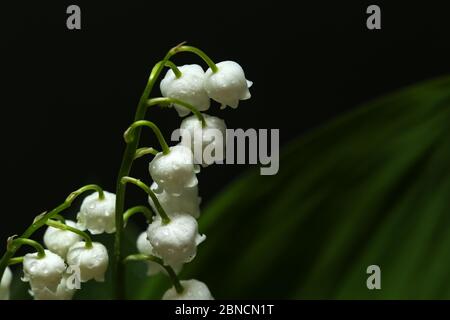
(193, 290)
(59, 241)
(45, 272)
(188, 88)
(228, 85)
(62, 292)
(5, 284)
(145, 247)
(97, 215)
(175, 171)
(206, 143)
(92, 262)
(188, 201)
(177, 241)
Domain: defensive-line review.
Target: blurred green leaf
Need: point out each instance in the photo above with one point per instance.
(371, 187)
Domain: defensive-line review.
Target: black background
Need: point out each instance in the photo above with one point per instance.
(67, 96)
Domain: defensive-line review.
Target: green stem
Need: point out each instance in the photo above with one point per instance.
(168, 101)
(200, 53)
(62, 226)
(42, 220)
(143, 151)
(172, 275)
(59, 218)
(165, 218)
(174, 68)
(15, 260)
(130, 133)
(138, 209)
(17, 243)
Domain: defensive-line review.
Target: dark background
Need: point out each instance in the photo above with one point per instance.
(67, 96)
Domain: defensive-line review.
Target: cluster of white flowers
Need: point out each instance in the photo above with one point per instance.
(171, 239)
(69, 260)
(227, 86)
(175, 173)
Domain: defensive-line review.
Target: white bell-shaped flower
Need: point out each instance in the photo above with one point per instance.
(5, 284)
(228, 85)
(98, 215)
(175, 171)
(193, 290)
(45, 272)
(188, 88)
(177, 241)
(145, 247)
(92, 263)
(63, 292)
(188, 201)
(206, 143)
(59, 241)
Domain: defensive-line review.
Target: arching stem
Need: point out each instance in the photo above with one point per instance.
(174, 68)
(165, 218)
(18, 242)
(144, 151)
(199, 53)
(62, 226)
(130, 133)
(172, 275)
(138, 209)
(164, 101)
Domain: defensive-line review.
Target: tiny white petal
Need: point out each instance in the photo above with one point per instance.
(211, 138)
(92, 262)
(59, 241)
(193, 290)
(98, 215)
(45, 272)
(175, 242)
(188, 88)
(5, 284)
(62, 292)
(188, 201)
(228, 85)
(174, 171)
(145, 247)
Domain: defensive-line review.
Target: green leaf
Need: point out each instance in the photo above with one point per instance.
(371, 187)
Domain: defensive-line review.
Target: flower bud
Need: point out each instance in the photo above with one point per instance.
(206, 143)
(92, 262)
(174, 171)
(193, 290)
(59, 241)
(188, 88)
(145, 247)
(62, 292)
(175, 242)
(188, 201)
(228, 85)
(45, 272)
(5, 283)
(98, 215)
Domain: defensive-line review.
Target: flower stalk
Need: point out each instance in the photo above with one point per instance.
(168, 101)
(165, 218)
(172, 275)
(137, 209)
(62, 226)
